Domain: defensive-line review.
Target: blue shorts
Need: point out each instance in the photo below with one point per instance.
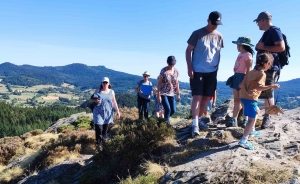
(236, 81)
(250, 107)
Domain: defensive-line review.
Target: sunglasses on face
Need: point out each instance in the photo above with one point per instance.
(104, 82)
(145, 75)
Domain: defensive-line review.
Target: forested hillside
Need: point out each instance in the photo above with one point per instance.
(15, 121)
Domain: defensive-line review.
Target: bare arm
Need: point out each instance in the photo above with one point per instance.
(115, 104)
(136, 89)
(178, 91)
(260, 87)
(248, 65)
(278, 47)
(188, 57)
(158, 89)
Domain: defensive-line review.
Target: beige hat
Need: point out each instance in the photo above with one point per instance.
(105, 79)
(146, 73)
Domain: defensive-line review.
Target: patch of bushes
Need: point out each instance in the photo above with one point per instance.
(37, 132)
(65, 128)
(133, 143)
(9, 147)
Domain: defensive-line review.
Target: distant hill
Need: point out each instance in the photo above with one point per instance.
(79, 75)
(87, 77)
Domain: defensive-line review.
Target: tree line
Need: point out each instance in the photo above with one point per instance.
(15, 121)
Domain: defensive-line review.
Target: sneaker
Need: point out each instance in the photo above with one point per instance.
(266, 122)
(195, 131)
(246, 145)
(231, 123)
(202, 125)
(245, 122)
(254, 133)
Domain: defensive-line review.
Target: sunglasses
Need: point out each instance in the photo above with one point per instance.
(104, 82)
(145, 75)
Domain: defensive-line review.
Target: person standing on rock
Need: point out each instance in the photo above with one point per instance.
(168, 88)
(272, 42)
(251, 87)
(243, 65)
(144, 92)
(202, 58)
(103, 112)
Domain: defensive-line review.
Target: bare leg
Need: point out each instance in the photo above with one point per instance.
(237, 104)
(196, 106)
(203, 104)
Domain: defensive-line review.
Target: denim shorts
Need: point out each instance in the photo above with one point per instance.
(250, 107)
(237, 79)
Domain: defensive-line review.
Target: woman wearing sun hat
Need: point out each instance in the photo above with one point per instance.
(243, 65)
(144, 92)
(168, 88)
(103, 112)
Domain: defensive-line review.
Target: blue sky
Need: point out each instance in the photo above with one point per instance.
(134, 36)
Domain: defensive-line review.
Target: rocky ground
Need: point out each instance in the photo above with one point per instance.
(276, 151)
(276, 158)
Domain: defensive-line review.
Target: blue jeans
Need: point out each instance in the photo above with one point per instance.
(143, 106)
(169, 105)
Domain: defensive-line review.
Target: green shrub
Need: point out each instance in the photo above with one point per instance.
(141, 179)
(65, 127)
(82, 120)
(134, 142)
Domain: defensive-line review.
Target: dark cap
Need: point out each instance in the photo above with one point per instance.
(263, 16)
(215, 18)
(171, 60)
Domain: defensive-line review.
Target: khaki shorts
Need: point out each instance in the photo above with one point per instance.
(271, 78)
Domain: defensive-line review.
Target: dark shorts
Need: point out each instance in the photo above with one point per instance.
(271, 78)
(204, 84)
(236, 81)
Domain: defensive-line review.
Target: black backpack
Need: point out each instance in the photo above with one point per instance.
(284, 56)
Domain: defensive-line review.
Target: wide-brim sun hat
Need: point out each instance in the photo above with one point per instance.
(146, 73)
(243, 41)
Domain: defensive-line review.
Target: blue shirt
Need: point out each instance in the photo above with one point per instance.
(207, 47)
(272, 35)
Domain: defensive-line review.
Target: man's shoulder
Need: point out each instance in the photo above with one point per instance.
(201, 30)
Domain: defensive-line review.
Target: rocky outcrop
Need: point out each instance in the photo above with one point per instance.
(276, 150)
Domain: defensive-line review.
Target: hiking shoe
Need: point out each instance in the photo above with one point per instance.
(246, 145)
(231, 123)
(202, 125)
(195, 131)
(254, 133)
(266, 122)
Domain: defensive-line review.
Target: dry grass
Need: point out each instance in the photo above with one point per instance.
(59, 154)
(7, 175)
(35, 142)
(266, 174)
(153, 169)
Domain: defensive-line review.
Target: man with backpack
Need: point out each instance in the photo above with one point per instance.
(272, 41)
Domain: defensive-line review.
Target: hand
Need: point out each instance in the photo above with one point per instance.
(191, 73)
(260, 45)
(178, 98)
(159, 99)
(213, 105)
(118, 114)
(140, 91)
(98, 101)
(275, 86)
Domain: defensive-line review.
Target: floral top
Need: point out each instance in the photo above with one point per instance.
(168, 84)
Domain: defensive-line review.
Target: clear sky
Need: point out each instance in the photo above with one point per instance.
(134, 36)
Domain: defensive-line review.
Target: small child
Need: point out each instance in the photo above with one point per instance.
(251, 87)
(159, 109)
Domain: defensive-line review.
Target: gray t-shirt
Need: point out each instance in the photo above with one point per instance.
(140, 83)
(207, 47)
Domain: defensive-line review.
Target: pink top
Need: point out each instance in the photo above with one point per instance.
(241, 62)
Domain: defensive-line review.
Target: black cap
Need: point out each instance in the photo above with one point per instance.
(215, 18)
(171, 60)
